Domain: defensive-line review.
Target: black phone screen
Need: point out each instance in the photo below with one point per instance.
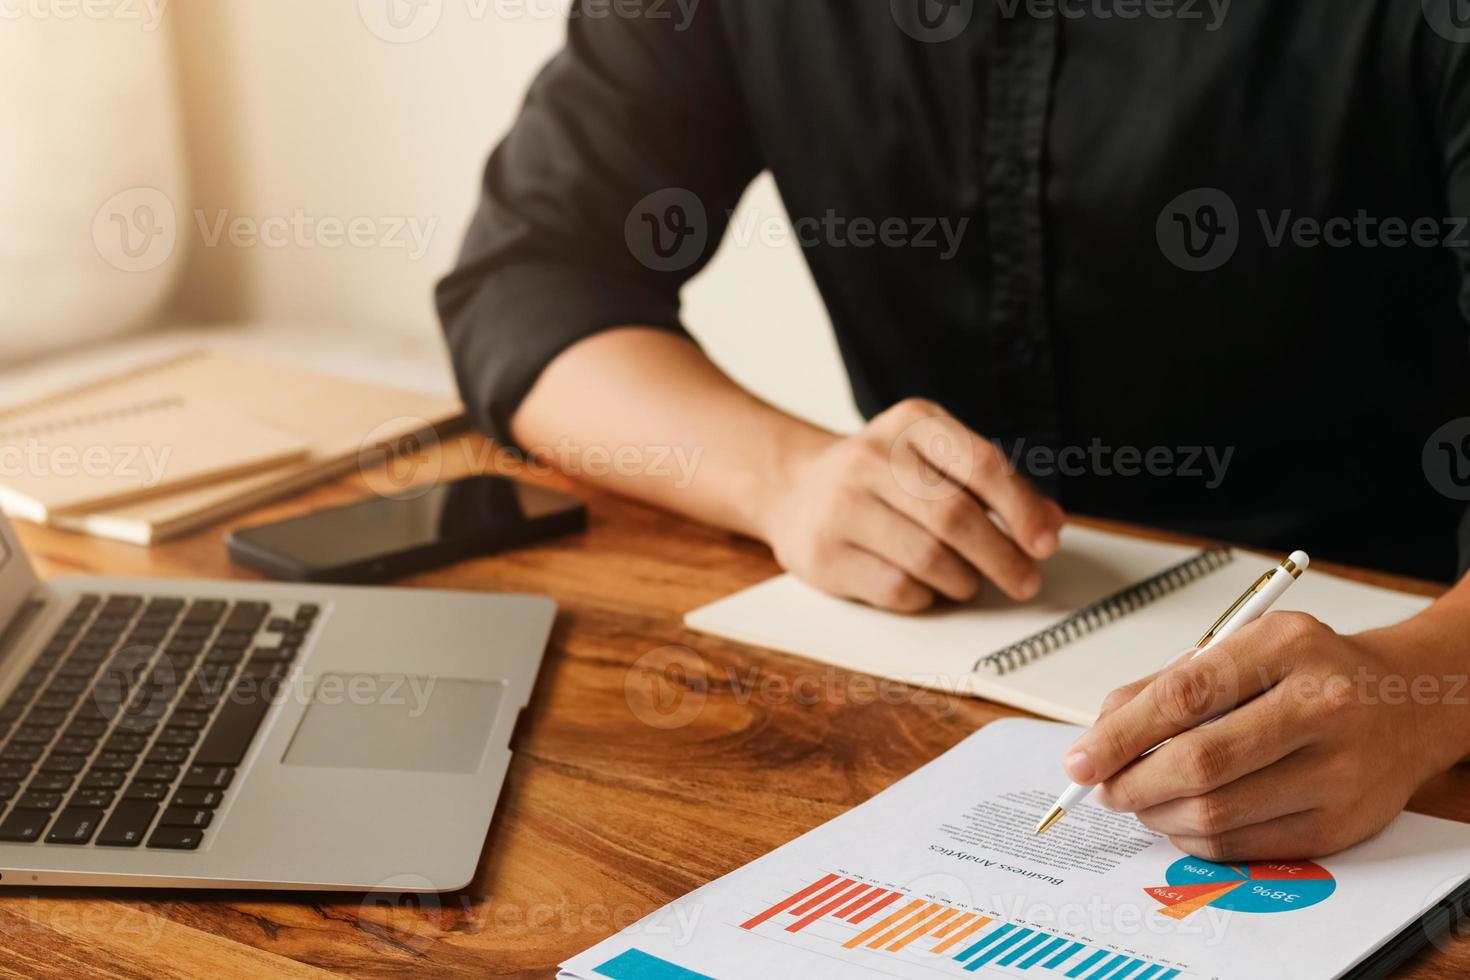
(479, 508)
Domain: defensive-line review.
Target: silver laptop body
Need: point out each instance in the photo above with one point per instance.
(385, 718)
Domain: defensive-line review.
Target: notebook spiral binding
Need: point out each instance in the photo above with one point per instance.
(49, 426)
(99, 384)
(1093, 617)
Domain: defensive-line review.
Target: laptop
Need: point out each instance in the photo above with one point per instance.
(250, 735)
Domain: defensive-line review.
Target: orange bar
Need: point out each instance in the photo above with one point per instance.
(941, 933)
(816, 900)
(787, 903)
(925, 929)
(877, 906)
(888, 936)
(963, 934)
(873, 930)
(822, 910)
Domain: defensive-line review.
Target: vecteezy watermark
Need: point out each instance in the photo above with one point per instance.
(935, 457)
(678, 464)
(401, 21)
(409, 912)
(141, 682)
(669, 231)
(1446, 459)
(1370, 688)
(1448, 929)
(409, 21)
(1207, 463)
(1450, 19)
(1210, 14)
(147, 13)
(838, 687)
(669, 687)
(136, 230)
(833, 230)
(1200, 230)
(90, 921)
(299, 229)
(932, 458)
(404, 911)
(400, 458)
(1363, 230)
(932, 21)
(27, 457)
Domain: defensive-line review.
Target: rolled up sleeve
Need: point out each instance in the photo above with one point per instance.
(640, 112)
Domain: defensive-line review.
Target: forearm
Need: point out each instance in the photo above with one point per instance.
(1434, 650)
(646, 414)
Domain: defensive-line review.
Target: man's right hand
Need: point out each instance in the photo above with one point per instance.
(898, 514)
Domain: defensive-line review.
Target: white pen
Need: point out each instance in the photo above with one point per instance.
(1251, 606)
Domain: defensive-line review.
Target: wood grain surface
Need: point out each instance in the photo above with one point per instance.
(651, 760)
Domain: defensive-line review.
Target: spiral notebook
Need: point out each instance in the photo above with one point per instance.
(1114, 608)
(205, 434)
(105, 451)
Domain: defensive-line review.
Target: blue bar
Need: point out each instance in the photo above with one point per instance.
(1024, 948)
(1169, 976)
(1063, 956)
(1040, 954)
(1127, 969)
(1081, 968)
(634, 964)
(1108, 967)
(985, 942)
(1149, 972)
(997, 949)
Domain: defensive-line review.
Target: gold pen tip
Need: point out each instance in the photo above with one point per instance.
(1051, 818)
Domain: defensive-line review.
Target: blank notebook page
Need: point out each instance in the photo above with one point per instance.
(939, 649)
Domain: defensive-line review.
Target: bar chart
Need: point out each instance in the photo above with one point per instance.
(858, 915)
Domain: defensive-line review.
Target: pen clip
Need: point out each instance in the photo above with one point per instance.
(1225, 617)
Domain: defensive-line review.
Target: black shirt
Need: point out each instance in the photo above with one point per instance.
(1204, 267)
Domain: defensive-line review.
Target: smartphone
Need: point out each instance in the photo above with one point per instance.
(389, 537)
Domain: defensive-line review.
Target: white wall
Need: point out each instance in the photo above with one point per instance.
(302, 110)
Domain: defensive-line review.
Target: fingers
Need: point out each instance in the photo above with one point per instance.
(1121, 696)
(1295, 837)
(1033, 520)
(976, 464)
(891, 536)
(960, 522)
(1292, 785)
(1177, 700)
(895, 514)
(856, 574)
(1248, 739)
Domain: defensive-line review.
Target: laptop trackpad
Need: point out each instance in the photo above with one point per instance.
(395, 721)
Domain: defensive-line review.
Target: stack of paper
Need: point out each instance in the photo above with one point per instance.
(168, 447)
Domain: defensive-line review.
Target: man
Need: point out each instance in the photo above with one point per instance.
(1070, 251)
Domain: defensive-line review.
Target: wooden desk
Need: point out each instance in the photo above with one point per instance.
(605, 816)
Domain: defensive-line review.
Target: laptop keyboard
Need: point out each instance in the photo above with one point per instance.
(129, 726)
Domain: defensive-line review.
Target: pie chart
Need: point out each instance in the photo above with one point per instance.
(1261, 886)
